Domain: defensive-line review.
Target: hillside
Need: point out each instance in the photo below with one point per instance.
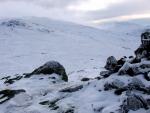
(78, 51)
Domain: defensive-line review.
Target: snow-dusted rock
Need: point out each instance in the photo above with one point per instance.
(13, 23)
(50, 68)
(134, 102)
(115, 84)
(111, 63)
(105, 74)
(136, 82)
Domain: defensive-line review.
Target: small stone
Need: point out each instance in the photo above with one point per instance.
(85, 79)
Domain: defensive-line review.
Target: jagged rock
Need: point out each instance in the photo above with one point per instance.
(50, 68)
(130, 69)
(126, 69)
(133, 102)
(7, 94)
(72, 89)
(116, 84)
(111, 63)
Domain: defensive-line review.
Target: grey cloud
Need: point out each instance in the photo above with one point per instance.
(129, 7)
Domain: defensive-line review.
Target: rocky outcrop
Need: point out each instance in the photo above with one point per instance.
(50, 68)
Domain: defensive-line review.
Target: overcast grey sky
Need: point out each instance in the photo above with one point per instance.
(77, 10)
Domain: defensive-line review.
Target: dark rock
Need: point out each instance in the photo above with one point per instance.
(120, 90)
(111, 63)
(129, 69)
(98, 110)
(116, 84)
(106, 74)
(51, 104)
(13, 23)
(7, 94)
(50, 68)
(7, 77)
(69, 111)
(131, 57)
(147, 76)
(136, 82)
(72, 89)
(135, 60)
(85, 79)
(133, 102)
(12, 80)
(121, 61)
(134, 85)
(98, 78)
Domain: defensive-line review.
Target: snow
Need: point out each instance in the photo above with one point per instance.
(82, 50)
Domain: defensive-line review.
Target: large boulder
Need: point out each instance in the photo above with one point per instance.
(50, 68)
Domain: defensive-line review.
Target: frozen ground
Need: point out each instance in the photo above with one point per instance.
(82, 50)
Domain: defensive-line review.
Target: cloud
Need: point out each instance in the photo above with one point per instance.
(56, 9)
(124, 9)
(75, 10)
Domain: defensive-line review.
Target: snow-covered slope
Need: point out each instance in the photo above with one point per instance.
(25, 44)
(124, 28)
(34, 41)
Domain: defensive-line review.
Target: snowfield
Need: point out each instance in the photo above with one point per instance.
(26, 44)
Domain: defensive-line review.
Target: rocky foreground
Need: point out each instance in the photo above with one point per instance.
(124, 87)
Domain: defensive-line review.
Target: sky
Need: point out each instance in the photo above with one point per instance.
(79, 11)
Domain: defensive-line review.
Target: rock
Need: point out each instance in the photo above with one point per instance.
(129, 69)
(72, 89)
(121, 61)
(50, 68)
(111, 63)
(116, 84)
(7, 94)
(51, 104)
(135, 85)
(133, 102)
(106, 74)
(69, 111)
(85, 79)
(131, 57)
(125, 69)
(12, 80)
(136, 82)
(13, 23)
(147, 76)
(135, 60)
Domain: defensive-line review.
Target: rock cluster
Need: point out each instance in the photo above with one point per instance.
(131, 67)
